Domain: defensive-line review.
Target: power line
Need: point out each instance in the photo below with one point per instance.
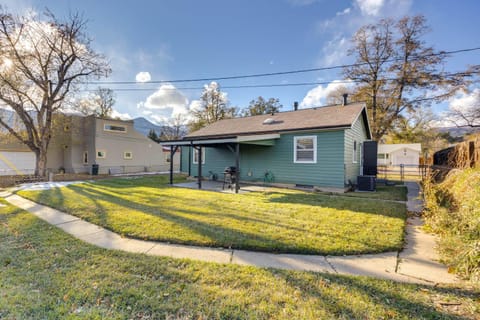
(462, 73)
(257, 75)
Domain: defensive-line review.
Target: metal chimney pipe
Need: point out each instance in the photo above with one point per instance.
(295, 105)
(345, 99)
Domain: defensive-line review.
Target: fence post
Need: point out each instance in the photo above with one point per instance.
(402, 172)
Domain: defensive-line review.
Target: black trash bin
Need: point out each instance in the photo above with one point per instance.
(95, 169)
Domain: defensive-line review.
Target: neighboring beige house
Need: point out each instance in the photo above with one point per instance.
(79, 142)
(398, 154)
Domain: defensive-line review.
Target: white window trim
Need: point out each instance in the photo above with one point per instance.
(125, 155)
(355, 151)
(104, 154)
(193, 156)
(295, 139)
(116, 125)
(83, 157)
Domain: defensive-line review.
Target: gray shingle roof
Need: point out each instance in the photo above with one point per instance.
(337, 116)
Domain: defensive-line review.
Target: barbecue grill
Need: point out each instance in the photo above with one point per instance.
(229, 177)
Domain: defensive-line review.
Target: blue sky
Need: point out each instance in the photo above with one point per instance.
(185, 39)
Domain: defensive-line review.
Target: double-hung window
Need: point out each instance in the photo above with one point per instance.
(305, 149)
(354, 152)
(196, 154)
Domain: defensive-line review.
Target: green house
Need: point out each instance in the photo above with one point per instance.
(318, 147)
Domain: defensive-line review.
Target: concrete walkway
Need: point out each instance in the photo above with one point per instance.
(415, 264)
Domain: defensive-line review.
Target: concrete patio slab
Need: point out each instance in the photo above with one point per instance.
(191, 252)
(282, 261)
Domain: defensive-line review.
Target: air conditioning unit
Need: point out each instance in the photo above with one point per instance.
(366, 183)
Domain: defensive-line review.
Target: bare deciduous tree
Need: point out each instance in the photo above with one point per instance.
(99, 103)
(43, 60)
(397, 71)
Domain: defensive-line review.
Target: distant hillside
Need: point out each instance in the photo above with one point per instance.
(458, 131)
(144, 126)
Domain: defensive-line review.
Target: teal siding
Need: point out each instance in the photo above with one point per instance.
(184, 159)
(216, 159)
(255, 160)
(358, 133)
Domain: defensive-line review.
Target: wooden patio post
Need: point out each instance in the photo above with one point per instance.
(190, 160)
(237, 166)
(199, 167)
(173, 150)
(171, 164)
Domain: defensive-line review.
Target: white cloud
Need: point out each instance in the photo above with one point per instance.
(143, 76)
(123, 116)
(195, 105)
(465, 101)
(337, 30)
(335, 51)
(466, 104)
(165, 103)
(20, 7)
(370, 7)
(344, 12)
(317, 96)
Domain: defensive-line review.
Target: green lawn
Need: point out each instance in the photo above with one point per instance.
(279, 220)
(396, 193)
(47, 274)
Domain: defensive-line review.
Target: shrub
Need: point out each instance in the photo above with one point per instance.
(453, 212)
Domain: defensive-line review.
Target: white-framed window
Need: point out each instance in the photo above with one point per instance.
(305, 149)
(101, 154)
(195, 156)
(127, 155)
(114, 128)
(354, 152)
(85, 157)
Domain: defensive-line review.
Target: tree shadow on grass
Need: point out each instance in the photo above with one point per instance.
(329, 289)
(218, 235)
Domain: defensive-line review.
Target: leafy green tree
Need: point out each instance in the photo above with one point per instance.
(262, 106)
(214, 106)
(397, 72)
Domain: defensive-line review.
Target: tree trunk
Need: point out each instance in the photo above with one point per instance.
(41, 162)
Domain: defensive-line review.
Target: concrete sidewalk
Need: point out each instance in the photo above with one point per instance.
(415, 264)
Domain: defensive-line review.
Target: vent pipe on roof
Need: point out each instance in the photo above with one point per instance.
(345, 99)
(295, 105)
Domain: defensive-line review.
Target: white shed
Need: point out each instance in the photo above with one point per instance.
(398, 154)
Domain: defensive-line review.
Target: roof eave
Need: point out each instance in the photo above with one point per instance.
(221, 136)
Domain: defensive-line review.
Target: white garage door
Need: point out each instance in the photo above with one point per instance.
(12, 163)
